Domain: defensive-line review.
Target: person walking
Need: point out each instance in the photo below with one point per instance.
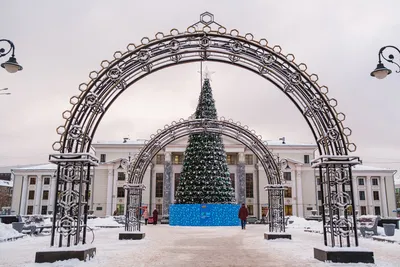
(243, 213)
(155, 216)
(145, 216)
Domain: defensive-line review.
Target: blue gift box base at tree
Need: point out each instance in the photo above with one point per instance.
(204, 215)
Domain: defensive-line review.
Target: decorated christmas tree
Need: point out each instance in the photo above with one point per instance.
(205, 176)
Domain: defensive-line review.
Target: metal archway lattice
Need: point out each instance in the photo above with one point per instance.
(182, 128)
(224, 127)
(206, 40)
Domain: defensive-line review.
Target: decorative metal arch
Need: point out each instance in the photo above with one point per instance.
(205, 40)
(182, 128)
(224, 127)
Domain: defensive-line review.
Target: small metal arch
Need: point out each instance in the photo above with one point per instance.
(183, 128)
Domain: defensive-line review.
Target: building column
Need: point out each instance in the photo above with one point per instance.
(241, 179)
(299, 192)
(295, 206)
(356, 196)
(38, 195)
(150, 208)
(53, 192)
(368, 193)
(167, 184)
(24, 195)
(109, 210)
(257, 171)
(385, 212)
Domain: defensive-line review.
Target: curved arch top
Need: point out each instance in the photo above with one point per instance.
(224, 127)
(204, 40)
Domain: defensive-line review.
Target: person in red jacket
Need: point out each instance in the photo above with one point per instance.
(243, 213)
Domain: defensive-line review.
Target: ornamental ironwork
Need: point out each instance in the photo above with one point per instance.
(71, 202)
(207, 40)
(248, 138)
(204, 40)
(338, 215)
(222, 126)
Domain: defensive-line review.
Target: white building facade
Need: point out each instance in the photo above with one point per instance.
(34, 186)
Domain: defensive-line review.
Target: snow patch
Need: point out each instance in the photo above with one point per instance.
(99, 222)
(6, 231)
(344, 249)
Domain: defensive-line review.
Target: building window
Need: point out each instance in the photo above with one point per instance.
(318, 181)
(31, 194)
(231, 159)
(159, 209)
(362, 195)
(363, 210)
(121, 176)
(360, 181)
(248, 159)
(177, 178)
(376, 195)
(30, 210)
(287, 176)
(306, 158)
(120, 192)
(374, 181)
(377, 210)
(159, 184)
(160, 159)
(319, 195)
(32, 180)
(46, 180)
(232, 176)
(99, 208)
(249, 185)
(44, 210)
(45, 195)
(288, 210)
(102, 158)
(288, 192)
(250, 208)
(177, 159)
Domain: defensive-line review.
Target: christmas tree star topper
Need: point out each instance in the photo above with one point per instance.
(207, 73)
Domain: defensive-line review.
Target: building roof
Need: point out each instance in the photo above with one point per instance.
(142, 141)
(370, 168)
(6, 183)
(48, 166)
(121, 142)
(279, 143)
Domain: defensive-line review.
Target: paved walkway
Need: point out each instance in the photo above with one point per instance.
(205, 247)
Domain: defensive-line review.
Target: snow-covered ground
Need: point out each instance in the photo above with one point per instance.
(197, 246)
(6, 231)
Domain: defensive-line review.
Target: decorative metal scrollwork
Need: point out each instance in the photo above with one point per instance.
(208, 40)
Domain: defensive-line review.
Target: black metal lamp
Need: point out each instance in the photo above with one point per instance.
(381, 71)
(11, 65)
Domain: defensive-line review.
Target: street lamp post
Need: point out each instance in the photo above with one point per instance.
(5, 89)
(11, 65)
(381, 71)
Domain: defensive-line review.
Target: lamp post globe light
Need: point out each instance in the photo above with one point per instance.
(11, 65)
(381, 71)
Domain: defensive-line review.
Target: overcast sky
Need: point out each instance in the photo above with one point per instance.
(60, 42)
